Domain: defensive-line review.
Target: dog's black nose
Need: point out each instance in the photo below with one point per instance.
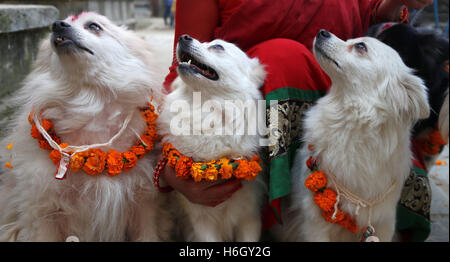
(59, 26)
(324, 34)
(186, 38)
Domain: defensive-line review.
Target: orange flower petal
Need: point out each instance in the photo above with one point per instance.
(10, 146)
(114, 162)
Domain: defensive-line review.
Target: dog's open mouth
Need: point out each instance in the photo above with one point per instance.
(189, 62)
(64, 41)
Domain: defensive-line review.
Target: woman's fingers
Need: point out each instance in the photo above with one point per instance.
(209, 193)
(224, 189)
(214, 195)
(225, 197)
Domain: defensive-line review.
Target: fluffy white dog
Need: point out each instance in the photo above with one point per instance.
(90, 78)
(219, 71)
(360, 134)
(444, 118)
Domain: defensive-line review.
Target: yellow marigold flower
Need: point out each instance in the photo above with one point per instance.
(211, 174)
(197, 172)
(77, 162)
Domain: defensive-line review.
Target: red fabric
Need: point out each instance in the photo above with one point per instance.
(269, 217)
(418, 158)
(289, 64)
(227, 8)
(297, 20)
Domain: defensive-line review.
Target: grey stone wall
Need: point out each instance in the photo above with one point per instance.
(22, 27)
(21, 30)
(119, 11)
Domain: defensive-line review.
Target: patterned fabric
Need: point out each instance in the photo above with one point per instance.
(284, 139)
(416, 194)
(285, 134)
(413, 210)
(288, 128)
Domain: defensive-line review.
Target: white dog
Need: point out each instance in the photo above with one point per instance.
(360, 135)
(220, 71)
(90, 80)
(444, 118)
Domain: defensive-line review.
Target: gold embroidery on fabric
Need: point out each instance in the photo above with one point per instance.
(416, 194)
(289, 126)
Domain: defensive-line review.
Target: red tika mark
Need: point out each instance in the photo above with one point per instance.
(75, 17)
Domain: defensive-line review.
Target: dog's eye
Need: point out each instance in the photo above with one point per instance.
(361, 47)
(94, 27)
(217, 47)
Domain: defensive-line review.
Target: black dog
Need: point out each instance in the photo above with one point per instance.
(426, 52)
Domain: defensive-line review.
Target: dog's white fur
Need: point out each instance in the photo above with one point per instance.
(444, 118)
(87, 97)
(240, 77)
(361, 133)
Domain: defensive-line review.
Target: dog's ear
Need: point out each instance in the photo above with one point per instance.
(257, 74)
(416, 104)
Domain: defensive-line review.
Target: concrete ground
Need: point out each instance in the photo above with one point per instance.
(160, 38)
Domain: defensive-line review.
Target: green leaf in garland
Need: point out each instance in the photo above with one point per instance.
(234, 165)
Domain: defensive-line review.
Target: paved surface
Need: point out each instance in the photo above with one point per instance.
(160, 38)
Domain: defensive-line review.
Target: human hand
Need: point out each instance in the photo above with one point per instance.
(418, 4)
(205, 193)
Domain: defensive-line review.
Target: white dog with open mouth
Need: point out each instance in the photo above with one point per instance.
(359, 136)
(220, 72)
(91, 80)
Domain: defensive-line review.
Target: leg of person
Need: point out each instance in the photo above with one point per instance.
(167, 13)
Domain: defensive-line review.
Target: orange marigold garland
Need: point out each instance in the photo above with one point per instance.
(95, 161)
(325, 198)
(433, 144)
(224, 168)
